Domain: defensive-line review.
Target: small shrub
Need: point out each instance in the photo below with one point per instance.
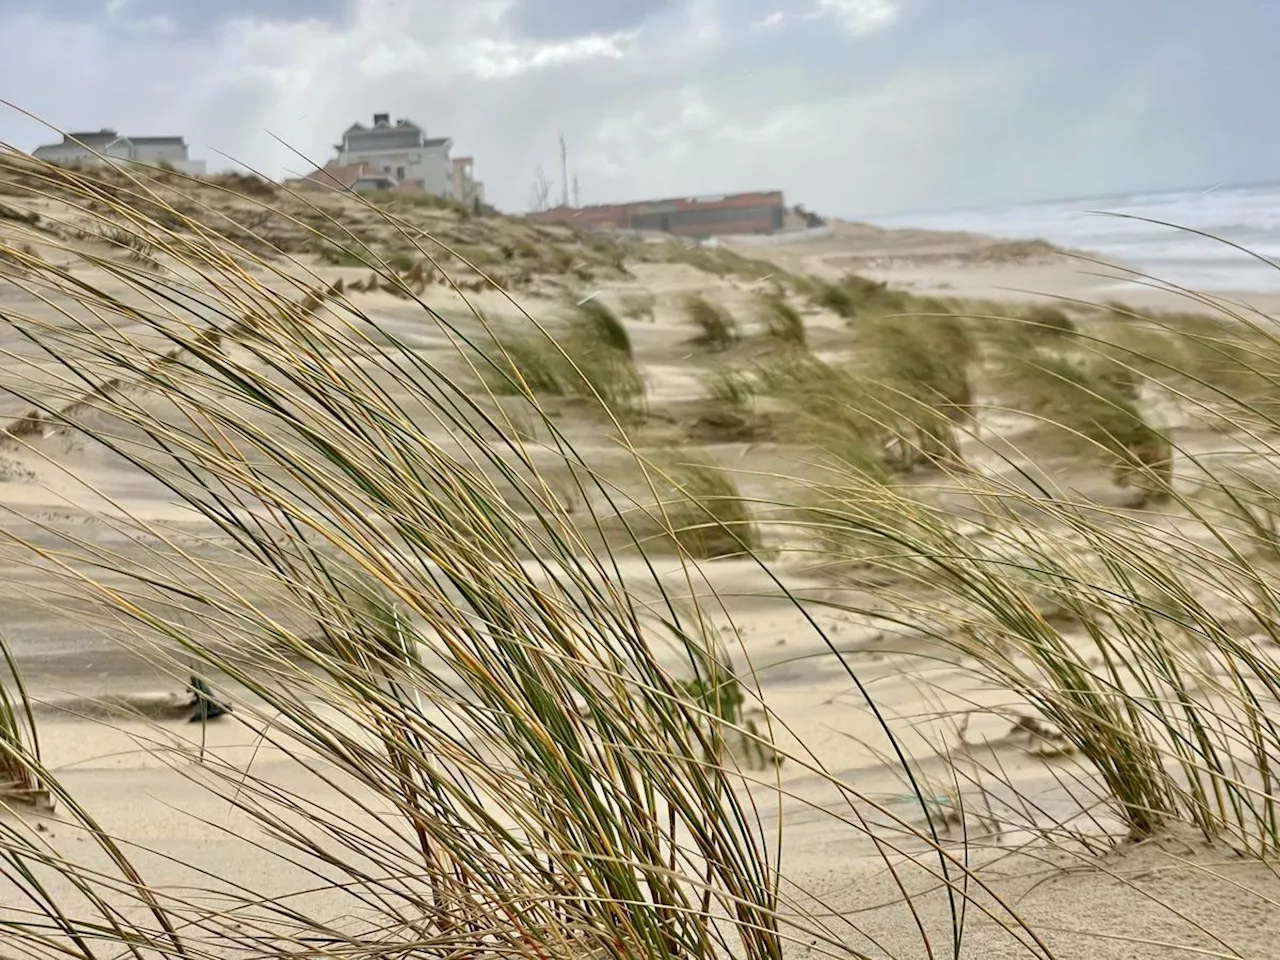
(728, 386)
(917, 371)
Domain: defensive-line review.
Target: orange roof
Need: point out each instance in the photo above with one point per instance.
(343, 175)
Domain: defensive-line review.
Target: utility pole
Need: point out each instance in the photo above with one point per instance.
(564, 172)
(577, 199)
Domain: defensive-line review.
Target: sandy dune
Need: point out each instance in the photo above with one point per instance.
(1151, 901)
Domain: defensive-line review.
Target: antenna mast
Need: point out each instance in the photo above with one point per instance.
(564, 172)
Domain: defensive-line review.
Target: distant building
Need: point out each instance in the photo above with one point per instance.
(403, 153)
(466, 188)
(107, 146)
(740, 213)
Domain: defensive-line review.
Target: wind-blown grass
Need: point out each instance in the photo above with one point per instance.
(638, 306)
(782, 321)
(1099, 410)
(604, 323)
(717, 327)
(896, 398)
(521, 735)
(703, 508)
(19, 740)
(587, 360)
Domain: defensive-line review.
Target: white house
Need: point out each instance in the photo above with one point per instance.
(401, 151)
(106, 146)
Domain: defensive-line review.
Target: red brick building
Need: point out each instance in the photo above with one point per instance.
(686, 217)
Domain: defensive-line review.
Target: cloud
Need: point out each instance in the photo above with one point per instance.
(859, 16)
(560, 19)
(850, 106)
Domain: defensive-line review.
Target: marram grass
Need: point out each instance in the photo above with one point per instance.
(525, 729)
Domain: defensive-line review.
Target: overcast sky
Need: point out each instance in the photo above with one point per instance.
(851, 106)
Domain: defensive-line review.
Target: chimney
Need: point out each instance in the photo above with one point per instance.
(381, 119)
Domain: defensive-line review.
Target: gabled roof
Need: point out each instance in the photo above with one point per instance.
(97, 139)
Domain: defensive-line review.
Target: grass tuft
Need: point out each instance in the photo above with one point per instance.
(782, 322)
(717, 328)
(601, 322)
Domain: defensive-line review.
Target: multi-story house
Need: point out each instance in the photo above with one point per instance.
(106, 145)
(401, 151)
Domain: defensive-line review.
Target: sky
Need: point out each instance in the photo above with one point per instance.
(852, 107)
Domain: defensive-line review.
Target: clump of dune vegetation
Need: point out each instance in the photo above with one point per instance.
(717, 327)
(1097, 409)
(854, 296)
(702, 508)
(1050, 320)
(602, 322)
(590, 357)
(638, 306)
(782, 322)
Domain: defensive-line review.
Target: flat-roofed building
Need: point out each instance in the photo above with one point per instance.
(707, 216)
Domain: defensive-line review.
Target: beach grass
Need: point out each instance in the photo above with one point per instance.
(537, 727)
(782, 321)
(717, 327)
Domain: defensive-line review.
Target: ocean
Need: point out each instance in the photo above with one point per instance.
(1245, 215)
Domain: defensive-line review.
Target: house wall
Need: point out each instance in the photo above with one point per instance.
(155, 153)
(466, 189)
(439, 170)
(716, 221)
(429, 166)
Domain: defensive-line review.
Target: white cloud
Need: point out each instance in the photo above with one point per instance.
(502, 60)
(770, 21)
(859, 17)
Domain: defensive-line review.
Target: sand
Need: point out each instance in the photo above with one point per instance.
(1169, 897)
(968, 265)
